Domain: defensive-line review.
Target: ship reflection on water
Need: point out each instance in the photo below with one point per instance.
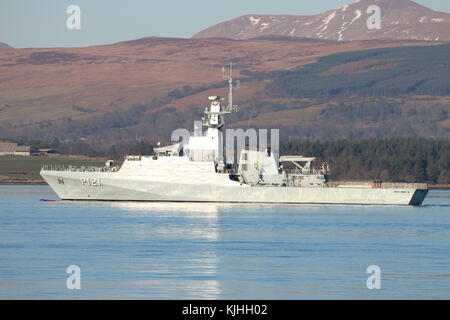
(193, 270)
(210, 209)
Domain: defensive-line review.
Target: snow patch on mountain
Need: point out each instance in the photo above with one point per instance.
(254, 21)
(358, 15)
(329, 18)
(264, 26)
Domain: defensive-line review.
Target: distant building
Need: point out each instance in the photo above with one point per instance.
(23, 151)
(45, 152)
(12, 148)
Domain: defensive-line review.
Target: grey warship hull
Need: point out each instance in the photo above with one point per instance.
(105, 186)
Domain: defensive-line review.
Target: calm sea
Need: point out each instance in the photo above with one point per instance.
(220, 251)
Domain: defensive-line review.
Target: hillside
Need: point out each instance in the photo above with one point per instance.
(5, 46)
(400, 19)
(379, 72)
(389, 92)
(146, 88)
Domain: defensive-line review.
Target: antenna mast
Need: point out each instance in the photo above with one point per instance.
(230, 88)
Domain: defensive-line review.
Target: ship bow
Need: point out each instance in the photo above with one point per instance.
(418, 197)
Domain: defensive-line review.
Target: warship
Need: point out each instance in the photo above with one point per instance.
(194, 170)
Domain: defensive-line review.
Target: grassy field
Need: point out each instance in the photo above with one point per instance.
(26, 169)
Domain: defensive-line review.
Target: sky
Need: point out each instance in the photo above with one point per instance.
(43, 23)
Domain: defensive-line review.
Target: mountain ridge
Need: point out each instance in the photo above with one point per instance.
(5, 46)
(400, 20)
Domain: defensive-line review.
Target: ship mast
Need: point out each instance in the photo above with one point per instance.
(210, 146)
(214, 114)
(230, 88)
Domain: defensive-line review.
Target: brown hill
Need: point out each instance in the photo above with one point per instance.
(48, 84)
(94, 92)
(400, 19)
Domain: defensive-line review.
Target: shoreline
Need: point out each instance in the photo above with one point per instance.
(20, 182)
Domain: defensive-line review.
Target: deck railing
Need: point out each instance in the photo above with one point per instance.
(303, 172)
(382, 185)
(79, 169)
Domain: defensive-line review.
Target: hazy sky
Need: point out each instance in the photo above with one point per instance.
(42, 23)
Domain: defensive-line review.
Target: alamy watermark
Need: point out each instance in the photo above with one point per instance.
(73, 281)
(73, 22)
(374, 280)
(235, 139)
(374, 21)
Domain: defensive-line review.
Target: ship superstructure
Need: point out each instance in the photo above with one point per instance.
(196, 171)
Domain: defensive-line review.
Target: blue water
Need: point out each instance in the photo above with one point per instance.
(219, 251)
